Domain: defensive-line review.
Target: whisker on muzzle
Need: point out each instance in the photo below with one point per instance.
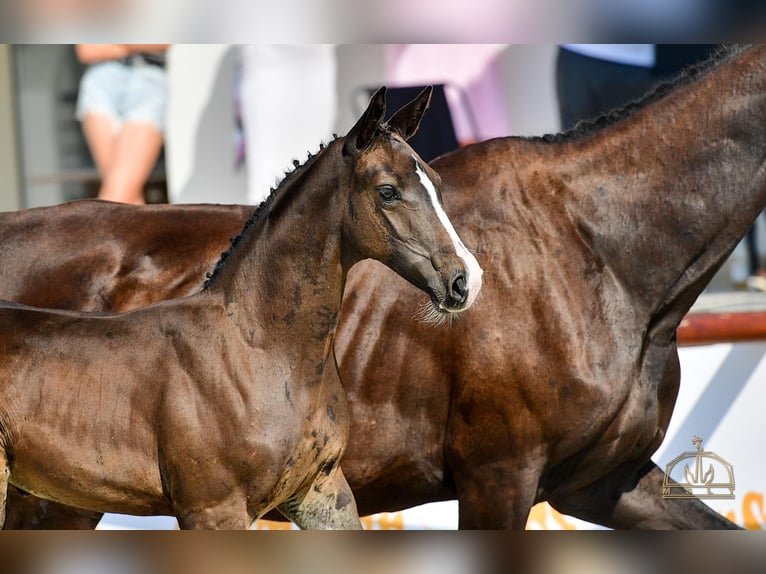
(430, 314)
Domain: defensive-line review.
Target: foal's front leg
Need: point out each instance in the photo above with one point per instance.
(327, 504)
(226, 515)
(224, 507)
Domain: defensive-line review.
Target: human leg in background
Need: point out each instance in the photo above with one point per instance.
(135, 151)
(121, 105)
(100, 133)
(588, 87)
(275, 79)
(125, 158)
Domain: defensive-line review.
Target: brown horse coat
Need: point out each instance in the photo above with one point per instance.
(73, 257)
(223, 405)
(560, 382)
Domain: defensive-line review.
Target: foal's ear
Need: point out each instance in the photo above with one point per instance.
(361, 135)
(406, 121)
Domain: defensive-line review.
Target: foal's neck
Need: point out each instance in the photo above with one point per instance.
(287, 274)
(664, 195)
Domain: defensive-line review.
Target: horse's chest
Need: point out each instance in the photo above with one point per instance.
(271, 437)
(314, 445)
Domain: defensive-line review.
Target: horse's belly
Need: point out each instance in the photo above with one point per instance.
(637, 428)
(626, 441)
(117, 480)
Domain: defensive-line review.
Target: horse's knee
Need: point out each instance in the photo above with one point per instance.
(213, 519)
(328, 504)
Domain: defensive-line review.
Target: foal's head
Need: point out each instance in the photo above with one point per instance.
(395, 211)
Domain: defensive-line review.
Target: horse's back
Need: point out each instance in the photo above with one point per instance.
(126, 256)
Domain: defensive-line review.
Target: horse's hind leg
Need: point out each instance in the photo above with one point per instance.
(638, 503)
(327, 504)
(26, 512)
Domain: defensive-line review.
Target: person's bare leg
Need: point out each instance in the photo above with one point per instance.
(137, 147)
(100, 134)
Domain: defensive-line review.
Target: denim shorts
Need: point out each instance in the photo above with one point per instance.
(124, 93)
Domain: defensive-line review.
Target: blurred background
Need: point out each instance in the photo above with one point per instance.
(44, 150)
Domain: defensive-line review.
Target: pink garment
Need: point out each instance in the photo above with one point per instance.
(471, 73)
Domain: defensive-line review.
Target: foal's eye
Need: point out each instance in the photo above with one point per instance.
(388, 193)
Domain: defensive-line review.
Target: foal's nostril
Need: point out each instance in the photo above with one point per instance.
(460, 288)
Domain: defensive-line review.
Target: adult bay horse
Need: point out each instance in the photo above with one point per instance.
(596, 244)
(221, 406)
(560, 382)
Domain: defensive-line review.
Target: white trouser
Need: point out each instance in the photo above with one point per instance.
(289, 106)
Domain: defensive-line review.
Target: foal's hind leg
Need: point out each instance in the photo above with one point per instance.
(27, 512)
(327, 504)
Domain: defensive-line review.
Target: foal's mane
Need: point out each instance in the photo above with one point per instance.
(264, 208)
(685, 77)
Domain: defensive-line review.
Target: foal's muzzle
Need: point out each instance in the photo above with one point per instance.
(457, 294)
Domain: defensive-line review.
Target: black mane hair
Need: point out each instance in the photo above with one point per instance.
(683, 78)
(264, 208)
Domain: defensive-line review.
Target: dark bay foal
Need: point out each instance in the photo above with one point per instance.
(224, 405)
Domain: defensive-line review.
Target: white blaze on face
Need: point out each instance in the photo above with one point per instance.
(472, 266)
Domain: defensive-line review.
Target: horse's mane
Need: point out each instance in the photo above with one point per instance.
(264, 208)
(683, 78)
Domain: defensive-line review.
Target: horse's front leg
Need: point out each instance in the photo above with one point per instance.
(327, 504)
(495, 495)
(210, 501)
(614, 501)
